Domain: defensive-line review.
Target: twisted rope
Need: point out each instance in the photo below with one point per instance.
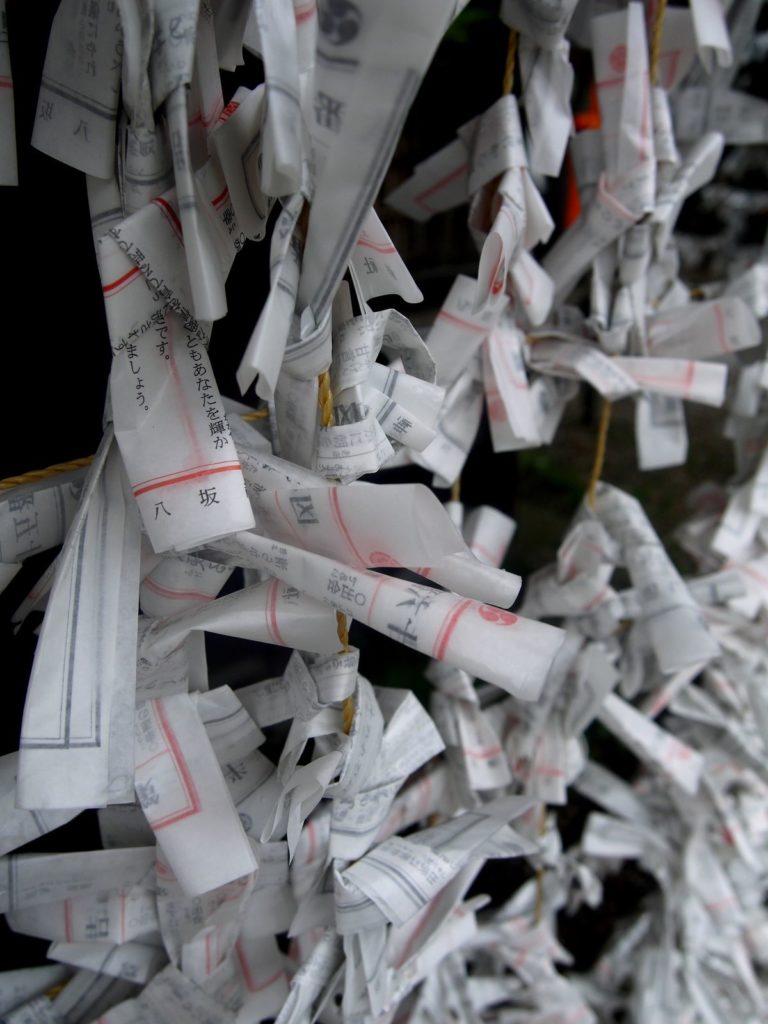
(325, 401)
(600, 450)
(605, 412)
(656, 34)
(43, 474)
(509, 67)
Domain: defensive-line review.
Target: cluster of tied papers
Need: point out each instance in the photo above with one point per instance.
(310, 847)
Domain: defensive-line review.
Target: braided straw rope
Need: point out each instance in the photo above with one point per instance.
(509, 68)
(605, 412)
(601, 447)
(507, 84)
(43, 474)
(34, 475)
(656, 35)
(325, 401)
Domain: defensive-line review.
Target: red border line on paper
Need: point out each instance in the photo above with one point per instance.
(171, 216)
(182, 769)
(128, 276)
(451, 176)
(170, 481)
(302, 14)
(272, 626)
(177, 595)
(333, 498)
(250, 984)
(373, 245)
(220, 197)
(449, 624)
(462, 323)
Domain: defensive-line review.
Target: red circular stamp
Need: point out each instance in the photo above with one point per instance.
(497, 615)
(382, 558)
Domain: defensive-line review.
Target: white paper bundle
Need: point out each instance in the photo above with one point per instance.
(319, 843)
